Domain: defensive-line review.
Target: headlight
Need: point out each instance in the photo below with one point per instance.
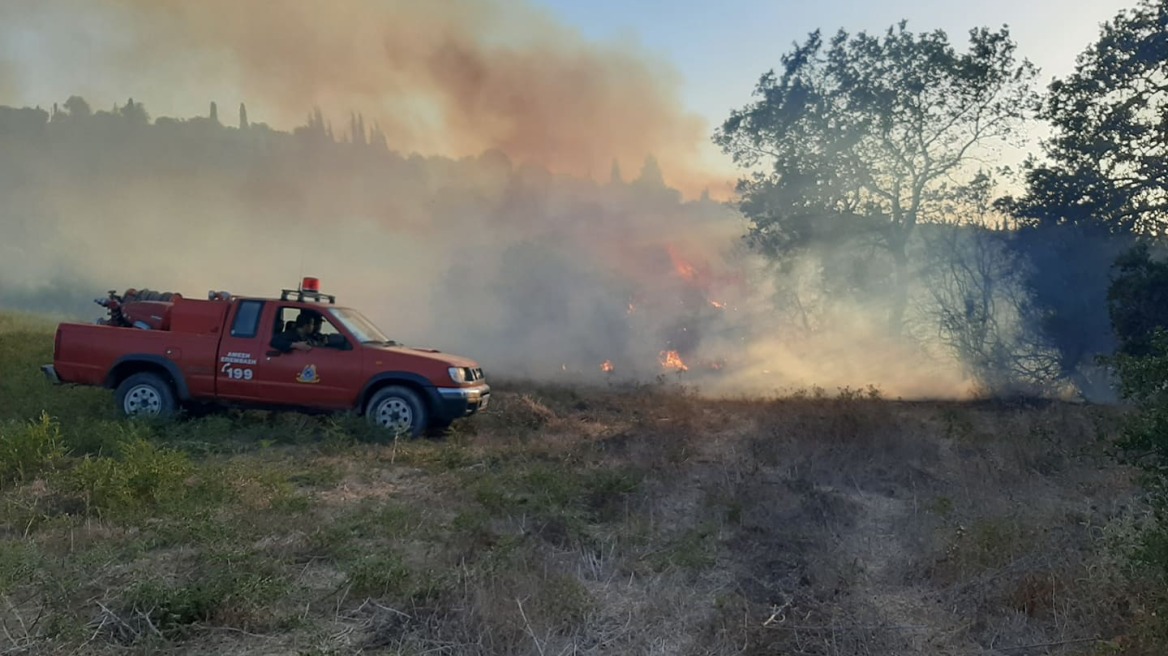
(457, 374)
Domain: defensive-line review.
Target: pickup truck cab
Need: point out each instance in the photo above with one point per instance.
(161, 352)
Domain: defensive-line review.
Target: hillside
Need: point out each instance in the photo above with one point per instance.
(642, 520)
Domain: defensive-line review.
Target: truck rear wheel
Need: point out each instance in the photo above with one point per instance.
(398, 410)
(146, 395)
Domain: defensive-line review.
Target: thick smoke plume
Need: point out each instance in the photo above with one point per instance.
(513, 240)
(451, 77)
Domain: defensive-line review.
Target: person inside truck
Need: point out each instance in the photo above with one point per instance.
(317, 338)
(299, 337)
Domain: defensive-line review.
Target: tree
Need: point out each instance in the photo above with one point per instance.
(1102, 182)
(77, 107)
(242, 116)
(1138, 300)
(1108, 157)
(1067, 279)
(651, 175)
(134, 113)
(866, 130)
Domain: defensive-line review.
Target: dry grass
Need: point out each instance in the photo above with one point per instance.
(586, 521)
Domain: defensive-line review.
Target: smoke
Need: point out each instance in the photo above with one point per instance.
(453, 77)
(508, 241)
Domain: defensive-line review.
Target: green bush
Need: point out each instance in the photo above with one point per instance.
(141, 475)
(29, 448)
(1144, 442)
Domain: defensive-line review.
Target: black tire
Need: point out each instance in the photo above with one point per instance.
(397, 408)
(146, 395)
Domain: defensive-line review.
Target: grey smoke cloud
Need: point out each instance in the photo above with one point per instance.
(507, 250)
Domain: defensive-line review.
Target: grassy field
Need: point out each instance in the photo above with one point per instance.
(567, 521)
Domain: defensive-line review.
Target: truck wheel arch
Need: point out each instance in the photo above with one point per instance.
(419, 385)
(129, 365)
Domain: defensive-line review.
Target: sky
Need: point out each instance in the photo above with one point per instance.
(721, 48)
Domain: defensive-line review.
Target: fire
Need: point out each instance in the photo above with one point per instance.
(671, 360)
(607, 367)
(684, 269)
(718, 305)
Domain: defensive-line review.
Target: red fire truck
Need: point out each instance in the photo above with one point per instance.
(160, 352)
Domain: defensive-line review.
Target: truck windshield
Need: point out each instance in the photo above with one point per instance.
(362, 328)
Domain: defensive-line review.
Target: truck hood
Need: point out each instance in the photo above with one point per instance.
(434, 355)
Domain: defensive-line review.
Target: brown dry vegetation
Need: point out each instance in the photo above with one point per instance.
(573, 521)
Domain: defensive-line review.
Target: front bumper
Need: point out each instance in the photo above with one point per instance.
(458, 402)
(50, 373)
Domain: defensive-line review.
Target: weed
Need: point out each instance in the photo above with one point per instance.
(228, 589)
(379, 574)
(563, 601)
(695, 550)
(18, 561)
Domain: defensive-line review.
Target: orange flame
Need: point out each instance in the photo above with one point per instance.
(607, 367)
(683, 268)
(720, 306)
(671, 360)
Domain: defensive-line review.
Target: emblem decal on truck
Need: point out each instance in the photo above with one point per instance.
(308, 375)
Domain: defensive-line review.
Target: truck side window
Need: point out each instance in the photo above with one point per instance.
(247, 319)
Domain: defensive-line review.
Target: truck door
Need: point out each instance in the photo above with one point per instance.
(241, 351)
(325, 377)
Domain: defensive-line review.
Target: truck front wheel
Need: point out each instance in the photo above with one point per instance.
(146, 395)
(398, 410)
